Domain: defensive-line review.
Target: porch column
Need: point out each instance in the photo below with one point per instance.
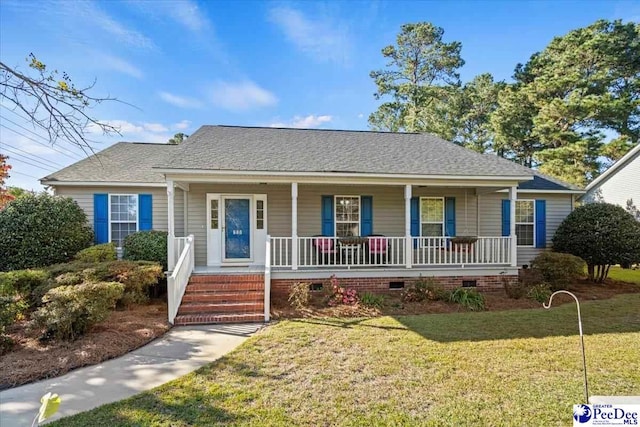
(294, 225)
(513, 196)
(408, 246)
(171, 261)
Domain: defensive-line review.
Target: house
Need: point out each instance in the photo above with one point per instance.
(620, 184)
(250, 211)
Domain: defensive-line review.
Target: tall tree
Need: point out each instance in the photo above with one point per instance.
(472, 111)
(421, 76)
(52, 102)
(5, 197)
(581, 85)
(177, 138)
(512, 125)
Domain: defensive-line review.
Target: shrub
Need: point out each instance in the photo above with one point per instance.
(557, 269)
(69, 311)
(337, 294)
(136, 276)
(540, 292)
(98, 253)
(146, 246)
(424, 289)
(514, 290)
(299, 295)
(468, 298)
(22, 282)
(12, 308)
(601, 234)
(39, 230)
(369, 299)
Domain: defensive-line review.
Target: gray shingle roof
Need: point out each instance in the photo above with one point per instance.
(122, 162)
(305, 150)
(543, 182)
(296, 150)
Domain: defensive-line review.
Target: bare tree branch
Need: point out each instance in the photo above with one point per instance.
(53, 103)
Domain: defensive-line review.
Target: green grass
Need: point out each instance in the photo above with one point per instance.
(625, 275)
(520, 367)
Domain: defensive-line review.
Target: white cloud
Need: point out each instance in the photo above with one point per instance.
(89, 13)
(185, 12)
(155, 127)
(303, 122)
(188, 14)
(322, 39)
(118, 64)
(137, 132)
(360, 115)
(180, 101)
(181, 125)
(241, 96)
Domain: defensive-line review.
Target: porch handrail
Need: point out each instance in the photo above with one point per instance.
(179, 278)
(267, 280)
(388, 251)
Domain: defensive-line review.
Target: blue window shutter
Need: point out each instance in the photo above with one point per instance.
(506, 217)
(415, 216)
(541, 224)
(366, 215)
(450, 216)
(145, 212)
(101, 218)
(327, 216)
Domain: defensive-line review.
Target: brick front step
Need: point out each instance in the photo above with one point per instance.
(204, 319)
(222, 308)
(224, 287)
(223, 297)
(227, 278)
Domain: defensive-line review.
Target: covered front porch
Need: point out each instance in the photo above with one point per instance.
(324, 226)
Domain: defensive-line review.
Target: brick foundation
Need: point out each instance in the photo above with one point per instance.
(280, 287)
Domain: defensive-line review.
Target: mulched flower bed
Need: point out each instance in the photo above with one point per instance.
(31, 360)
(495, 301)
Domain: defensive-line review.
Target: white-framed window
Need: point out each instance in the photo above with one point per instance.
(123, 217)
(432, 216)
(525, 222)
(347, 216)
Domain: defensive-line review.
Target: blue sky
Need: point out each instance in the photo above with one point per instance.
(297, 64)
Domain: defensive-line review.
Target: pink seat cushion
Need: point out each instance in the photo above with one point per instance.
(377, 245)
(324, 245)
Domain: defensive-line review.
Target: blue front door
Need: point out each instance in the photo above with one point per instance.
(237, 233)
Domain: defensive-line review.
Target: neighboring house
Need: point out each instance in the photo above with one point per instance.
(250, 211)
(620, 184)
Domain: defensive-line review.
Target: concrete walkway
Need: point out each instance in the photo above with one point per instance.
(180, 351)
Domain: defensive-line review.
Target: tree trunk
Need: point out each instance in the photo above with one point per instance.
(590, 272)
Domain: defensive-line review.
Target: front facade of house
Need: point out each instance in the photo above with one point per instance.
(279, 206)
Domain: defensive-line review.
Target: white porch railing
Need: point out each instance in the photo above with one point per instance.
(177, 282)
(267, 281)
(441, 251)
(319, 252)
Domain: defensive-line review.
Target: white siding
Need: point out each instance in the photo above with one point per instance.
(558, 207)
(622, 185)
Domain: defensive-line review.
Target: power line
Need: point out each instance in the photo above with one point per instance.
(26, 153)
(38, 135)
(38, 142)
(28, 158)
(22, 173)
(33, 133)
(28, 162)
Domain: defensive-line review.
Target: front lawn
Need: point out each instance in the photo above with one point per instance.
(520, 367)
(625, 275)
